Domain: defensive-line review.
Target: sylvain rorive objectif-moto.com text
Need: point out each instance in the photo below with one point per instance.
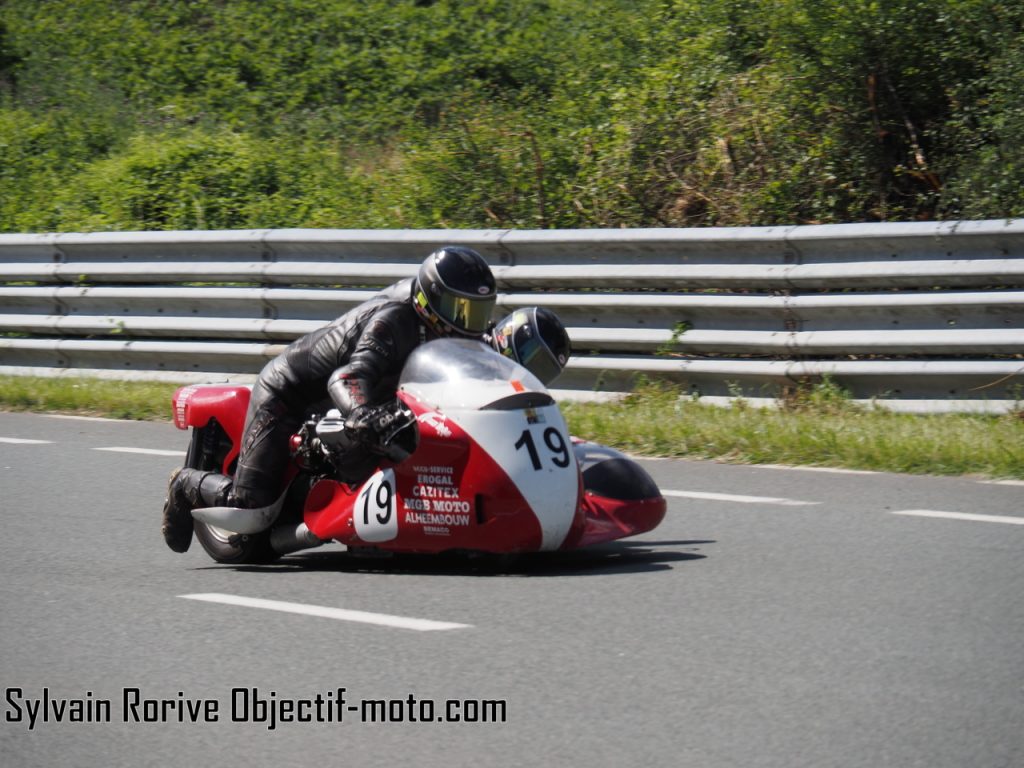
(243, 705)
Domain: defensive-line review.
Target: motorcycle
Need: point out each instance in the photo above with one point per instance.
(473, 457)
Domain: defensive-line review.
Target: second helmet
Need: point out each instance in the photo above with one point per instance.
(536, 339)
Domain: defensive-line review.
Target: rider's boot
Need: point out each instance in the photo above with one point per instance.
(188, 489)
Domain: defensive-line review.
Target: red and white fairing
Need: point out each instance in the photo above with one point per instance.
(494, 470)
(545, 478)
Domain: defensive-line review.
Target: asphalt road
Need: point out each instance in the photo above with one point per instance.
(777, 617)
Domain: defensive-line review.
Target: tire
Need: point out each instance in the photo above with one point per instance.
(233, 548)
(206, 451)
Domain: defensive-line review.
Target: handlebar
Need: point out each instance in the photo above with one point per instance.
(389, 433)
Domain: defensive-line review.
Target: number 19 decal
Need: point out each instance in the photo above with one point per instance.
(375, 513)
(555, 444)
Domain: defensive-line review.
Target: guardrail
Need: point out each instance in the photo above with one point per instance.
(923, 316)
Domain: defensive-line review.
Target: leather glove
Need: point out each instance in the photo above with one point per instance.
(366, 422)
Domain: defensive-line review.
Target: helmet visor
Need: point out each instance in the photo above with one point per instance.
(466, 315)
(534, 355)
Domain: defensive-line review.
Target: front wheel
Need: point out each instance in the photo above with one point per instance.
(209, 446)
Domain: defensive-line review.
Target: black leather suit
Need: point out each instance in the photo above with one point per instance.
(353, 361)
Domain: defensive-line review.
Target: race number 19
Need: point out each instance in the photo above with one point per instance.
(558, 452)
(374, 512)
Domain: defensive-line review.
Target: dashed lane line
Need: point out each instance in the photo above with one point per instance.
(705, 496)
(325, 612)
(75, 417)
(146, 451)
(961, 516)
(112, 448)
(832, 470)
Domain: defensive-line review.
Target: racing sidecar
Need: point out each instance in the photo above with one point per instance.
(487, 466)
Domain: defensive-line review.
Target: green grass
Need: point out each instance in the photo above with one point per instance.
(818, 427)
(90, 397)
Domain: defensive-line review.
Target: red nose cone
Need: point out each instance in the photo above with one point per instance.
(296, 442)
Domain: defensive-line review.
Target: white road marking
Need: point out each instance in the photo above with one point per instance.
(961, 516)
(741, 499)
(1002, 482)
(147, 451)
(833, 470)
(22, 441)
(81, 418)
(341, 614)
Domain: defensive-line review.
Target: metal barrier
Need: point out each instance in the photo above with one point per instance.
(919, 316)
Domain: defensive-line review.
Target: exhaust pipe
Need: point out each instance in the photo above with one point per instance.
(286, 539)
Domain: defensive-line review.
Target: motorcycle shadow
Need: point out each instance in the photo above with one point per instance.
(618, 557)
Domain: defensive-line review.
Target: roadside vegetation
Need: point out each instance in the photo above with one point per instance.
(165, 114)
(818, 427)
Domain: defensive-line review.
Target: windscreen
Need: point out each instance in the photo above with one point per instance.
(460, 373)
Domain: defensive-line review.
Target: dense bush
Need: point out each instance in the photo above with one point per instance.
(174, 114)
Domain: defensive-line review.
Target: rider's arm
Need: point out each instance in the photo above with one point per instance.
(381, 351)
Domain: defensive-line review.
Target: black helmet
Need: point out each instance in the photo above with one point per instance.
(455, 291)
(536, 339)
